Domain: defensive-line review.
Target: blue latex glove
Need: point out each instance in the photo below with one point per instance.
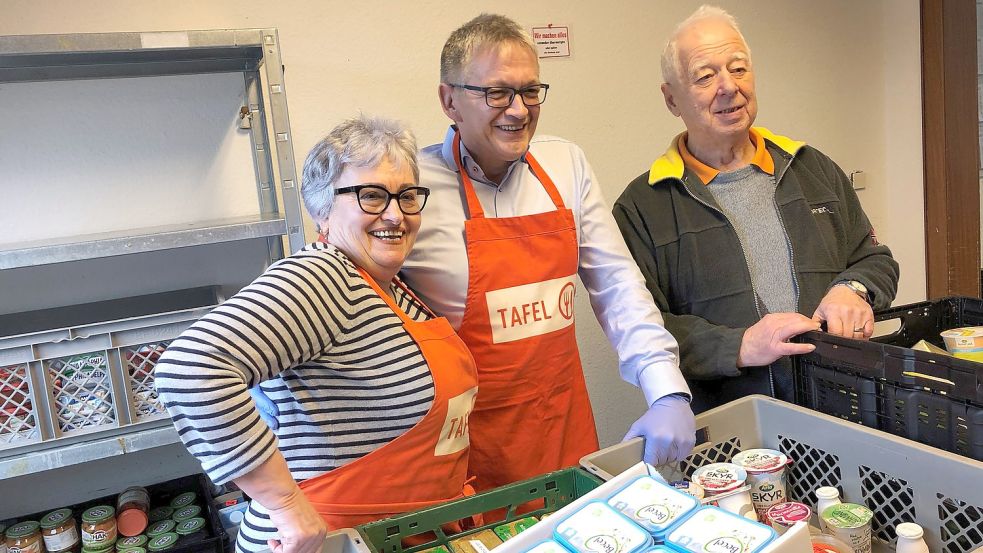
(669, 430)
(268, 411)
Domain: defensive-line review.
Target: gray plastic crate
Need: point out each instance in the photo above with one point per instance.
(81, 380)
(900, 480)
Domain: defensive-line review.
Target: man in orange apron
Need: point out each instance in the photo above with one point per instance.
(512, 222)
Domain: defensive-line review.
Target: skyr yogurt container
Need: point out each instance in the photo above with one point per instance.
(766, 476)
(722, 482)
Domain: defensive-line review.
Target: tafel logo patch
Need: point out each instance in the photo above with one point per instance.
(454, 435)
(531, 309)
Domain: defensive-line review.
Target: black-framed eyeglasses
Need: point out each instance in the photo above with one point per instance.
(502, 96)
(374, 199)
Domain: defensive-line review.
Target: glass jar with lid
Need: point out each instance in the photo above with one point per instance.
(132, 507)
(24, 537)
(60, 532)
(99, 528)
(162, 542)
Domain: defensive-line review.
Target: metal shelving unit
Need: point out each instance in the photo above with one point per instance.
(253, 52)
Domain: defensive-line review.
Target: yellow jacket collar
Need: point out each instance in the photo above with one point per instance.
(670, 164)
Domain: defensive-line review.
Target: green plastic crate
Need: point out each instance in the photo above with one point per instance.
(557, 489)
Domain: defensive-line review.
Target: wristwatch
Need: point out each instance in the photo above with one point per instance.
(857, 287)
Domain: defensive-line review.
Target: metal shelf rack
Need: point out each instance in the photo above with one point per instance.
(31, 58)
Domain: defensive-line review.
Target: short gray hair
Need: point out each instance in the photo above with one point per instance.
(485, 30)
(671, 67)
(361, 141)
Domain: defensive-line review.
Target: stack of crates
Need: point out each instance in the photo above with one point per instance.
(931, 398)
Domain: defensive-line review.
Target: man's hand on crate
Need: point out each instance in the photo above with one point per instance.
(768, 339)
(846, 314)
(669, 430)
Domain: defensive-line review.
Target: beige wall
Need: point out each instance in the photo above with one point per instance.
(840, 74)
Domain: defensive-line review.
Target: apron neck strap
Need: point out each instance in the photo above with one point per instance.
(474, 206)
(389, 299)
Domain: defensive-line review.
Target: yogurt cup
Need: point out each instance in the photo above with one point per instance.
(722, 482)
(713, 530)
(965, 343)
(783, 516)
(653, 505)
(825, 543)
(598, 528)
(766, 476)
(851, 523)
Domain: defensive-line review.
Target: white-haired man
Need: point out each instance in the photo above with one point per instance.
(746, 238)
(513, 220)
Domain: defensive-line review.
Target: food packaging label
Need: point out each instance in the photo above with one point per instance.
(598, 528)
(512, 529)
(653, 505)
(713, 530)
(766, 476)
(719, 477)
(851, 523)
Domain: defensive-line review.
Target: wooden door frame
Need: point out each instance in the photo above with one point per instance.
(951, 148)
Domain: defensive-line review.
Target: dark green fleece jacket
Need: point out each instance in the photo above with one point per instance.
(695, 267)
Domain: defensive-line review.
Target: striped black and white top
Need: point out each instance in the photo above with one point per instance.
(345, 376)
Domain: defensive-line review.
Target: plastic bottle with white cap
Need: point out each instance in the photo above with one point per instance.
(910, 538)
(827, 495)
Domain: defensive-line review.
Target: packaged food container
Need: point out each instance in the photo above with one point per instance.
(158, 514)
(184, 513)
(60, 532)
(183, 500)
(99, 528)
(783, 516)
(24, 537)
(479, 542)
(910, 538)
(597, 527)
(851, 523)
(723, 481)
(766, 476)
(132, 550)
(131, 542)
(653, 505)
(965, 343)
(658, 548)
(512, 529)
(714, 530)
(826, 497)
(691, 488)
(190, 527)
(132, 509)
(160, 527)
(162, 542)
(548, 546)
(825, 543)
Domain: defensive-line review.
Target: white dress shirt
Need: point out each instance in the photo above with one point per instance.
(437, 268)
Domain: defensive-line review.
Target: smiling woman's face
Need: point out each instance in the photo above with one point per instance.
(377, 243)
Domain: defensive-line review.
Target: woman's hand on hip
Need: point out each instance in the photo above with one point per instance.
(301, 529)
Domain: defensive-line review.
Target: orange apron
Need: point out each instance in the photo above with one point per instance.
(533, 414)
(428, 463)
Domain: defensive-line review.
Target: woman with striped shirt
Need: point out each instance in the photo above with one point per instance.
(372, 390)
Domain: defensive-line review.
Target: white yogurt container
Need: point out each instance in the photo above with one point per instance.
(548, 546)
(714, 530)
(851, 523)
(724, 480)
(653, 505)
(766, 476)
(598, 528)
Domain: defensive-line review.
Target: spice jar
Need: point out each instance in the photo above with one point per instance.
(60, 532)
(24, 537)
(99, 528)
(131, 508)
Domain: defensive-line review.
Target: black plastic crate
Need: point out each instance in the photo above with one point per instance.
(211, 539)
(927, 397)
